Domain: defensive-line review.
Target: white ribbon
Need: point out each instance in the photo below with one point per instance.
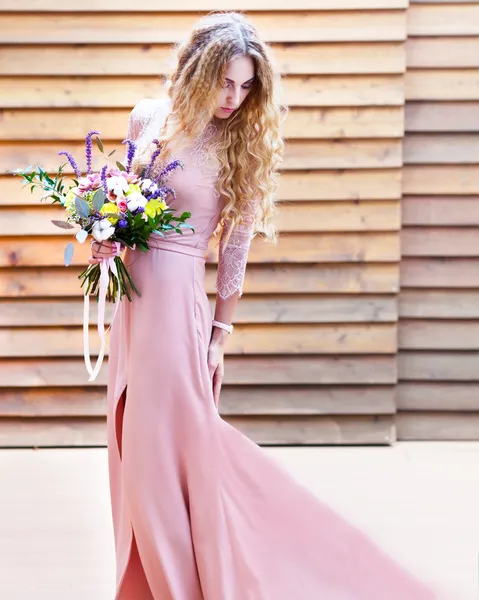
(106, 265)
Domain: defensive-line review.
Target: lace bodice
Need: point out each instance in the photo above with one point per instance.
(204, 202)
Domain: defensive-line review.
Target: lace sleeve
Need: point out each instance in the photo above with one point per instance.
(233, 255)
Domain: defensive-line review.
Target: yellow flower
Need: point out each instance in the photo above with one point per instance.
(155, 207)
(133, 187)
(110, 211)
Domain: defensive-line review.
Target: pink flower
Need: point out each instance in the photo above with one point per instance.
(122, 205)
(131, 177)
(89, 183)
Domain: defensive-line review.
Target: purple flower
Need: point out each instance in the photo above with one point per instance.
(163, 192)
(130, 154)
(169, 168)
(88, 149)
(103, 180)
(122, 223)
(72, 162)
(154, 156)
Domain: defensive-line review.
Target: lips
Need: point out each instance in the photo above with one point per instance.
(228, 109)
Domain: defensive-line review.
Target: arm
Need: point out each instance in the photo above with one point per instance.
(232, 259)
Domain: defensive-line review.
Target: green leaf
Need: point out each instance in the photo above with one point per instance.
(68, 254)
(99, 144)
(120, 166)
(111, 153)
(98, 199)
(82, 207)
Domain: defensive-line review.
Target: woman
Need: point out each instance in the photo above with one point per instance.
(200, 512)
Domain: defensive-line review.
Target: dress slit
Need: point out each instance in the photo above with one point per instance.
(133, 583)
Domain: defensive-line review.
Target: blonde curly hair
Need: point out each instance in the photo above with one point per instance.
(249, 145)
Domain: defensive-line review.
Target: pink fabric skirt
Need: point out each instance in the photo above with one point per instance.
(200, 512)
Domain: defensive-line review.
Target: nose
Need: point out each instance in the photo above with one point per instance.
(234, 97)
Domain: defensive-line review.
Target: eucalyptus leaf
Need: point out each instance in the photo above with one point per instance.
(98, 199)
(120, 166)
(81, 236)
(111, 153)
(68, 254)
(99, 144)
(82, 207)
(62, 224)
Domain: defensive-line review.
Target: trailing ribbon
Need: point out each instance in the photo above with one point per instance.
(106, 265)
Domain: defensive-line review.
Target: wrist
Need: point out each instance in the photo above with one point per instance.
(221, 325)
(219, 336)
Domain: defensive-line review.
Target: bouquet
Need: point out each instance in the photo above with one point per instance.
(113, 204)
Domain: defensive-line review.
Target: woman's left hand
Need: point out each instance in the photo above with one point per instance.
(216, 368)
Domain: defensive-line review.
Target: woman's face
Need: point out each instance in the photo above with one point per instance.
(237, 85)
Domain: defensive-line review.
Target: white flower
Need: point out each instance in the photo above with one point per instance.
(118, 185)
(147, 184)
(102, 230)
(134, 200)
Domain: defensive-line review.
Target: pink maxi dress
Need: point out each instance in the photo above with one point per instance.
(201, 512)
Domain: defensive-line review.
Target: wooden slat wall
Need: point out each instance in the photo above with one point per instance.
(438, 392)
(313, 357)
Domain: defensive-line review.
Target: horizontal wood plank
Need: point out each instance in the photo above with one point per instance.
(438, 335)
(442, 117)
(442, 52)
(239, 370)
(439, 304)
(447, 180)
(437, 427)
(443, 396)
(344, 185)
(274, 279)
(442, 84)
(155, 59)
(443, 20)
(156, 27)
(298, 155)
(234, 400)
(440, 241)
(317, 430)
(91, 92)
(252, 309)
(68, 124)
(113, 6)
(440, 211)
(438, 366)
(439, 273)
(263, 430)
(291, 248)
(249, 339)
(292, 217)
(436, 149)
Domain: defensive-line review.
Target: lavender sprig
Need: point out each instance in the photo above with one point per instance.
(154, 156)
(130, 154)
(72, 162)
(103, 180)
(163, 192)
(168, 169)
(88, 145)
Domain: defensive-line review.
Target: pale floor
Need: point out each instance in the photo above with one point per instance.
(419, 500)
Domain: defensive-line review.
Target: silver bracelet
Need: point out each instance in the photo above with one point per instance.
(228, 328)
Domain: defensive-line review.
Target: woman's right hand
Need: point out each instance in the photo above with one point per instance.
(101, 250)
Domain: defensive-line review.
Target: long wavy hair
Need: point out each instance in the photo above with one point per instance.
(249, 145)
